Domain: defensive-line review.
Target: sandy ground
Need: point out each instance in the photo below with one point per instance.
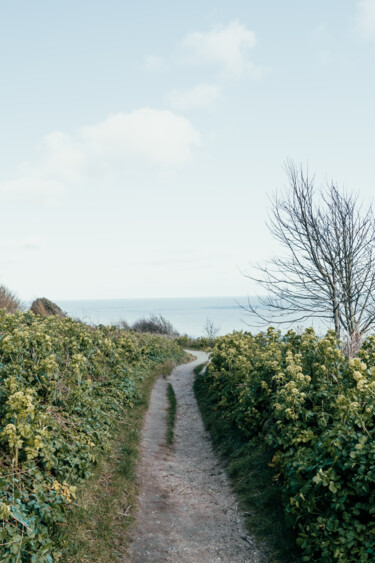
(187, 512)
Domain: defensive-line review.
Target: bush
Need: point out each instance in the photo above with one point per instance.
(200, 343)
(156, 324)
(123, 325)
(315, 407)
(9, 301)
(45, 307)
(63, 387)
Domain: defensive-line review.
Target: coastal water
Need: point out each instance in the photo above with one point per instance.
(188, 315)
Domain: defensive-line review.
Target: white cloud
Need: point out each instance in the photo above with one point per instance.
(228, 46)
(159, 137)
(154, 63)
(202, 95)
(366, 18)
(64, 157)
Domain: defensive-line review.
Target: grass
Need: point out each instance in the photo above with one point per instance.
(98, 524)
(171, 413)
(252, 480)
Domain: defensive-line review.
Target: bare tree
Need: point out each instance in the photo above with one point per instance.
(210, 330)
(327, 270)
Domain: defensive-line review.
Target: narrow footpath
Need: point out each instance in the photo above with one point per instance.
(187, 512)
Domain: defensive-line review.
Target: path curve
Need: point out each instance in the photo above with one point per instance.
(187, 512)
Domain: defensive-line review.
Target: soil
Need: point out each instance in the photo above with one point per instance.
(187, 512)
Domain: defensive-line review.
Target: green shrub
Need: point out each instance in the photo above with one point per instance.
(63, 385)
(200, 343)
(316, 409)
(155, 324)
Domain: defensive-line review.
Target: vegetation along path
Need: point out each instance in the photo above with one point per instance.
(187, 512)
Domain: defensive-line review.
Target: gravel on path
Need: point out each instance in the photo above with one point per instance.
(187, 512)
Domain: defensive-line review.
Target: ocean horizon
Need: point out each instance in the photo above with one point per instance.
(188, 315)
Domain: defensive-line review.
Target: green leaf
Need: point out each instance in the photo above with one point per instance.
(17, 515)
(332, 487)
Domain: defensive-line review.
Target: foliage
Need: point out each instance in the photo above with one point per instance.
(315, 408)
(43, 306)
(124, 325)
(63, 385)
(9, 301)
(171, 413)
(97, 528)
(247, 464)
(200, 343)
(155, 324)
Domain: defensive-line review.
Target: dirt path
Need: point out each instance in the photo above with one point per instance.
(187, 512)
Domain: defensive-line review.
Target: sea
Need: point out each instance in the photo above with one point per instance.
(187, 315)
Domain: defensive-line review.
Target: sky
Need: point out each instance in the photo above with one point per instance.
(141, 142)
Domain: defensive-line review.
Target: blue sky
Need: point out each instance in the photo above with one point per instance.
(140, 141)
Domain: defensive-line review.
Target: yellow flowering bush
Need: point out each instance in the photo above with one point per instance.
(63, 385)
(315, 408)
